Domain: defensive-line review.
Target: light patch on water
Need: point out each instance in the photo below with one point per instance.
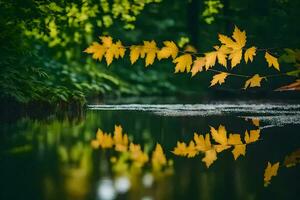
(276, 114)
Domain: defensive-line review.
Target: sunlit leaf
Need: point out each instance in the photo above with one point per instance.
(254, 81)
(198, 65)
(136, 51)
(272, 61)
(150, 50)
(249, 54)
(183, 63)
(169, 50)
(219, 78)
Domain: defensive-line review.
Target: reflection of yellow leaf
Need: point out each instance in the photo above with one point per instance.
(191, 150)
(220, 136)
(272, 61)
(255, 122)
(253, 81)
(121, 141)
(270, 171)
(252, 137)
(292, 159)
(158, 157)
(234, 139)
(210, 157)
(238, 150)
(180, 149)
(198, 65)
(170, 49)
(184, 62)
(201, 143)
(104, 139)
(150, 51)
(137, 155)
(218, 78)
(249, 54)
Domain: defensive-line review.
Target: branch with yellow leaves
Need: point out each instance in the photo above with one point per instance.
(231, 50)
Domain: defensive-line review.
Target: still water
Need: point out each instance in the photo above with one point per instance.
(56, 158)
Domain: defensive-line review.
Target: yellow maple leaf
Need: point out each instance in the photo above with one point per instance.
(272, 61)
(120, 140)
(218, 78)
(213, 56)
(97, 51)
(150, 50)
(235, 56)
(210, 59)
(210, 157)
(236, 45)
(240, 37)
(202, 144)
(198, 65)
(221, 54)
(184, 62)
(136, 51)
(180, 149)
(254, 81)
(107, 41)
(170, 49)
(249, 54)
(270, 171)
(252, 137)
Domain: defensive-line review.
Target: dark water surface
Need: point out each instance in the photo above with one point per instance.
(53, 159)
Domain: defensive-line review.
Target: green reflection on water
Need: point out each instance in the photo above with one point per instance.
(53, 159)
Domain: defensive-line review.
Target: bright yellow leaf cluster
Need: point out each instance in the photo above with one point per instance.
(106, 48)
(121, 143)
(232, 49)
(201, 144)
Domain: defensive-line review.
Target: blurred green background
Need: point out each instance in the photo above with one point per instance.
(42, 42)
